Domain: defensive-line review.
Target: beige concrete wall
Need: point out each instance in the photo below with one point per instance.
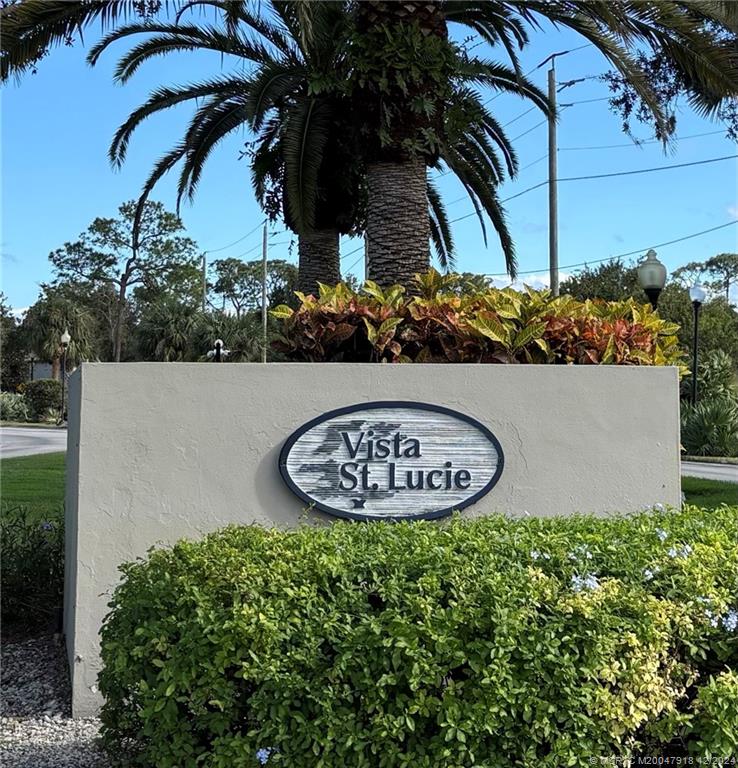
(158, 452)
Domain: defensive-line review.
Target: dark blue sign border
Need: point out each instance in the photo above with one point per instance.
(297, 434)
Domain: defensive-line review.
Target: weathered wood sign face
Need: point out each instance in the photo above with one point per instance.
(391, 461)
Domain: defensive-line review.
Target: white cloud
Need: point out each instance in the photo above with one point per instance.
(538, 282)
(733, 211)
(19, 312)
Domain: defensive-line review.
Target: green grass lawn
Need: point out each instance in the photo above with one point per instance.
(34, 482)
(37, 482)
(709, 493)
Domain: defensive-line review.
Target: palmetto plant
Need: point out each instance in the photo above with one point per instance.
(46, 321)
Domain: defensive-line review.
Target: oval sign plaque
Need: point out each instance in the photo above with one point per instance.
(391, 461)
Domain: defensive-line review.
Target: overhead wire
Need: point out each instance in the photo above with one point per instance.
(240, 239)
(623, 255)
(639, 143)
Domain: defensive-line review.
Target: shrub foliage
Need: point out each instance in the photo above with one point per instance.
(13, 407)
(448, 321)
(32, 576)
(487, 643)
(43, 397)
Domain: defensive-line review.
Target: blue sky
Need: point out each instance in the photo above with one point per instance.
(57, 125)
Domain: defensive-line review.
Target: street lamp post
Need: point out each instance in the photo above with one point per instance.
(65, 339)
(697, 294)
(32, 361)
(219, 353)
(652, 277)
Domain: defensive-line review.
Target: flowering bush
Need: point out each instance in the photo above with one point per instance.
(492, 642)
(463, 323)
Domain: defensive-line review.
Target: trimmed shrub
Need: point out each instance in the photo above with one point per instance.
(32, 576)
(462, 323)
(44, 398)
(710, 428)
(13, 407)
(488, 643)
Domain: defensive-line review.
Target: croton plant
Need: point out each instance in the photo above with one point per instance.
(448, 320)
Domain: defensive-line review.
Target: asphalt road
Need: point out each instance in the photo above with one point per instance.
(725, 472)
(25, 441)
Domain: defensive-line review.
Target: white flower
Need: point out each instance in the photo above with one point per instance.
(672, 552)
(662, 534)
(730, 620)
(579, 583)
(658, 507)
(649, 573)
(535, 554)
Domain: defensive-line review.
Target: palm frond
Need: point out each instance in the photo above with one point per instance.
(440, 229)
(31, 28)
(164, 98)
(306, 133)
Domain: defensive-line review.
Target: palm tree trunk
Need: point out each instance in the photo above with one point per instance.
(397, 223)
(55, 368)
(318, 260)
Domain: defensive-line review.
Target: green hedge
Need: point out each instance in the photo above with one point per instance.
(484, 643)
(44, 398)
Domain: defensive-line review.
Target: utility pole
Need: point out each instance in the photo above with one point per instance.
(264, 295)
(553, 212)
(204, 282)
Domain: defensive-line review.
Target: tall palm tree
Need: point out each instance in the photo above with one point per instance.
(308, 163)
(405, 75)
(403, 107)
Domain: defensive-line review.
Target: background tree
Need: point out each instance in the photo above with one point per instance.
(110, 255)
(611, 281)
(45, 322)
(14, 366)
(689, 274)
(239, 283)
(724, 268)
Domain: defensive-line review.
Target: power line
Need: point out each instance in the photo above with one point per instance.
(639, 143)
(525, 133)
(599, 176)
(586, 101)
(240, 239)
(648, 170)
(256, 247)
(542, 157)
(623, 255)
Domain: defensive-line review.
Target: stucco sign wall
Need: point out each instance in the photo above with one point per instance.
(158, 452)
(391, 461)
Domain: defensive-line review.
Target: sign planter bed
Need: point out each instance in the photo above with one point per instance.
(161, 452)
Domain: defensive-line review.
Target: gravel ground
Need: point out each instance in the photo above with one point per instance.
(36, 729)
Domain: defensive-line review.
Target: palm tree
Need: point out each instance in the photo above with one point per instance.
(404, 68)
(308, 161)
(46, 321)
(405, 78)
(166, 330)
